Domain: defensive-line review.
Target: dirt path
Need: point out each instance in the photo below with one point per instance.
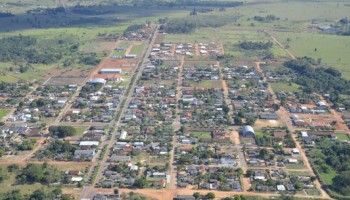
(196, 48)
(222, 49)
(128, 50)
(173, 50)
(176, 125)
(170, 194)
(280, 44)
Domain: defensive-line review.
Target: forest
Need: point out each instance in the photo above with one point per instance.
(26, 50)
(315, 78)
(190, 23)
(330, 155)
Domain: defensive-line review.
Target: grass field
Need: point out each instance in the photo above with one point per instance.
(137, 49)
(342, 136)
(206, 84)
(259, 133)
(284, 87)
(201, 135)
(3, 113)
(80, 130)
(332, 49)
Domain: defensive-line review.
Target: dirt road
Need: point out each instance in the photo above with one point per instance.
(177, 126)
(284, 115)
(281, 45)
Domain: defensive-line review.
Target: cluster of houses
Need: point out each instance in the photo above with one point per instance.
(195, 73)
(203, 107)
(213, 178)
(95, 104)
(187, 49)
(248, 94)
(46, 101)
(10, 92)
(279, 181)
(11, 136)
(146, 128)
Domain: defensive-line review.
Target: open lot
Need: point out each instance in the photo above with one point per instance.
(284, 87)
(201, 135)
(3, 113)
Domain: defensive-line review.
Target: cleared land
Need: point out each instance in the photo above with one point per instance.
(284, 87)
(3, 113)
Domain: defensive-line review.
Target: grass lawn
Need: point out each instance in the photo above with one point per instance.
(313, 192)
(327, 178)
(295, 166)
(201, 135)
(80, 130)
(3, 113)
(342, 136)
(279, 87)
(260, 133)
(206, 84)
(137, 49)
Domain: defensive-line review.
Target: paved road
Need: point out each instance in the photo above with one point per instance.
(89, 190)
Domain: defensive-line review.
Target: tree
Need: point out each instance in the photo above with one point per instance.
(298, 185)
(210, 195)
(196, 195)
(38, 195)
(313, 178)
(264, 153)
(239, 171)
(251, 121)
(12, 168)
(13, 195)
(62, 131)
(341, 183)
(140, 183)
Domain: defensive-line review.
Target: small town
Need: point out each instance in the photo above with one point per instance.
(165, 116)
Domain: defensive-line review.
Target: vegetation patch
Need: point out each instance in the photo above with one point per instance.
(201, 135)
(284, 87)
(3, 113)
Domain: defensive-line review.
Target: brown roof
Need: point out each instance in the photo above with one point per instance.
(279, 134)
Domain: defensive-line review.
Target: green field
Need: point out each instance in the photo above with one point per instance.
(327, 178)
(284, 87)
(3, 113)
(138, 49)
(201, 135)
(332, 49)
(342, 136)
(80, 130)
(206, 84)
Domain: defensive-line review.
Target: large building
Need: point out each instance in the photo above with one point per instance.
(248, 131)
(110, 71)
(97, 81)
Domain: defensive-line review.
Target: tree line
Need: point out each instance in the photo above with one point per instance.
(249, 45)
(316, 78)
(268, 18)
